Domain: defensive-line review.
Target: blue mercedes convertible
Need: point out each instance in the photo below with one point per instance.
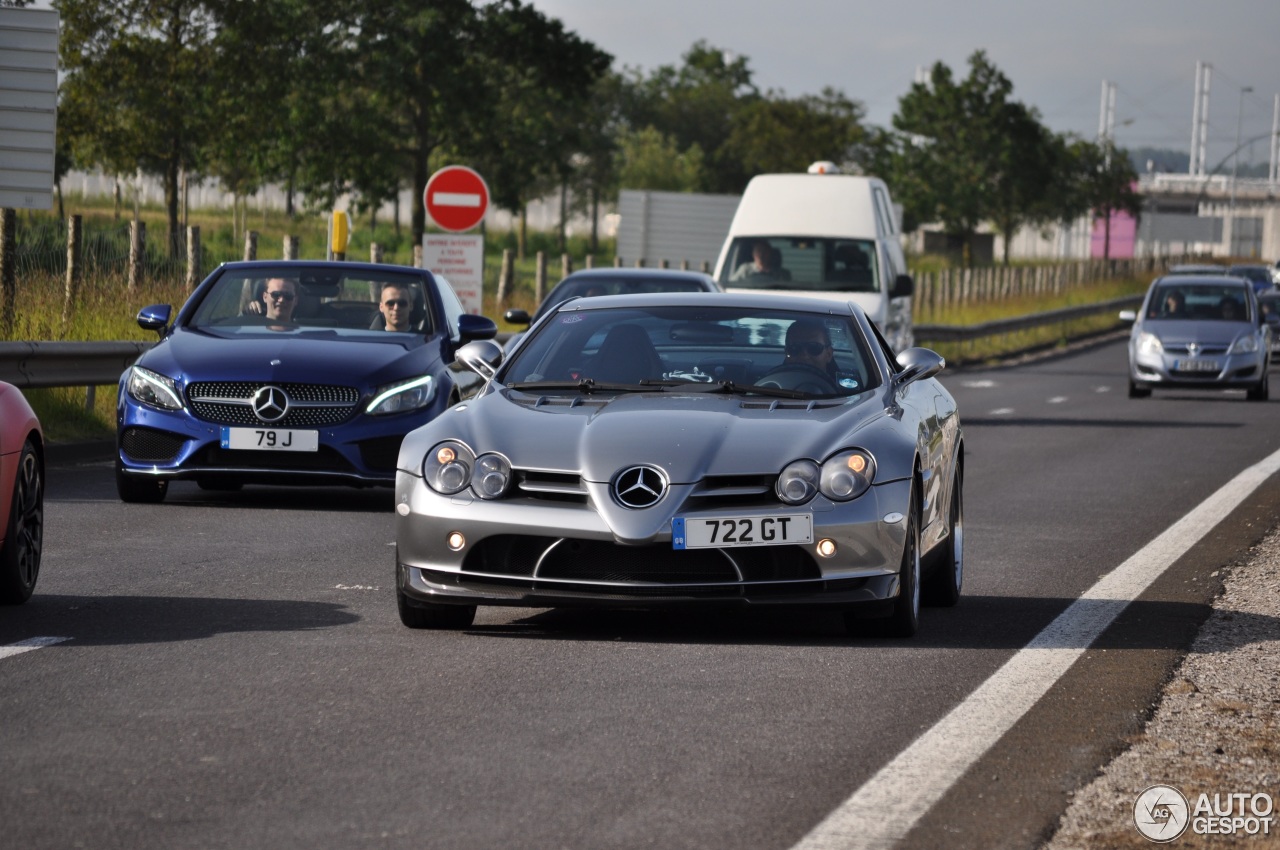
(290, 372)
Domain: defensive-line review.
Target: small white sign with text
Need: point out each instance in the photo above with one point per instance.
(460, 260)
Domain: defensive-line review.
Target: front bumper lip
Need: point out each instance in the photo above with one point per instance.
(253, 474)
(1157, 370)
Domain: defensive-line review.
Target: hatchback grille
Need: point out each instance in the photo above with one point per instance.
(1201, 350)
(310, 405)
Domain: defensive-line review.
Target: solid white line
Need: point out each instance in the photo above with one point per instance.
(29, 644)
(884, 810)
(455, 199)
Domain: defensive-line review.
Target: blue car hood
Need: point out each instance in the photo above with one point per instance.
(192, 355)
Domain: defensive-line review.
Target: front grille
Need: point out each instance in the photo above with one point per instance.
(551, 486)
(1201, 350)
(144, 444)
(600, 561)
(735, 491)
(310, 405)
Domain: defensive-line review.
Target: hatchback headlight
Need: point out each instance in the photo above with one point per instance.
(403, 396)
(798, 482)
(847, 475)
(1247, 344)
(153, 389)
(1149, 343)
(447, 467)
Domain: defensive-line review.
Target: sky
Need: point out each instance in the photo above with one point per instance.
(1057, 55)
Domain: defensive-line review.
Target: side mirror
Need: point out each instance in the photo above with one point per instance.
(472, 327)
(1129, 316)
(516, 316)
(903, 286)
(155, 318)
(919, 363)
(482, 357)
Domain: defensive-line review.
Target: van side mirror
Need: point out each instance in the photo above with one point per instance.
(903, 286)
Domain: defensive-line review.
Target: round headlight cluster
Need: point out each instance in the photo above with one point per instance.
(450, 467)
(842, 477)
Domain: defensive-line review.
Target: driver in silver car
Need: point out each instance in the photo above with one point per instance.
(808, 344)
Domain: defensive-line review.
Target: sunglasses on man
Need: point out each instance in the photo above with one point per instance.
(396, 302)
(812, 348)
(280, 296)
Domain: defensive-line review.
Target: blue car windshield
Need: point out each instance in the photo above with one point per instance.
(817, 354)
(302, 300)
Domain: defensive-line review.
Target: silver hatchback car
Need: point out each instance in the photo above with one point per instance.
(1199, 332)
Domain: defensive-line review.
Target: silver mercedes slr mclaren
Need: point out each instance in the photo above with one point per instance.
(693, 448)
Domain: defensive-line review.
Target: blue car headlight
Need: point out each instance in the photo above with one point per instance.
(1247, 344)
(847, 475)
(403, 396)
(152, 389)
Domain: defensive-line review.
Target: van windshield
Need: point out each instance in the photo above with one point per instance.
(801, 262)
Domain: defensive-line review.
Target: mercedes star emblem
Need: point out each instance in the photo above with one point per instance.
(270, 404)
(639, 487)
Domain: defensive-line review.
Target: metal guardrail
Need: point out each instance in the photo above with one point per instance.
(80, 364)
(967, 333)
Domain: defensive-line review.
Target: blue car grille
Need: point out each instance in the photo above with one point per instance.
(310, 405)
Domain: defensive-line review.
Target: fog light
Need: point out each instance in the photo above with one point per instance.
(456, 541)
(826, 547)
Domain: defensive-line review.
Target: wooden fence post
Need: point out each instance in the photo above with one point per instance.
(417, 256)
(504, 277)
(540, 277)
(664, 264)
(706, 267)
(566, 266)
(375, 252)
(291, 247)
(617, 261)
(251, 244)
(195, 258)
(137, 252)
(8, 269)
(640, 262)
(591, 261)
(74, 231)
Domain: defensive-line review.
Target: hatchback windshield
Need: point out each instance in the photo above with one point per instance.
(733, 348)
(298, 299)
(1198, 302)
(807, 263)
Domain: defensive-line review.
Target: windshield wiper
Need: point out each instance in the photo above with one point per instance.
(587, 386)
(730, 388)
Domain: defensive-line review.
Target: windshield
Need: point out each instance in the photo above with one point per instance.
(805, 263)
(1198, 302)
(589, 285)
(696, 347)
(294, 298)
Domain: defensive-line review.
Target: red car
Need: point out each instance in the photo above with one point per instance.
(21, 496)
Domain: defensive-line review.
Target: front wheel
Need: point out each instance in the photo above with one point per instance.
(139, 489)
(24, 531)
(428, 615)
(1262, 391)
(1138, 391)
(905, 618)
(944, 579)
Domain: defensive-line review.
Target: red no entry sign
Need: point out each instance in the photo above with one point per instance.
(456, 198)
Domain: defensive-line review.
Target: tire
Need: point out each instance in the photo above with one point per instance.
(905, 617)
(24, 531)
(1136, 391)
(139, 490)
(944, 577)
(1262, 391)
(427, 615)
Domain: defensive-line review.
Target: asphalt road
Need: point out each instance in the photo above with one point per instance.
(236, 675)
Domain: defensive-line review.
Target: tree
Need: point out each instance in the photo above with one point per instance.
(1104, 181)
(968, 154)
(777, 134)
(138, 72)
(649, 160)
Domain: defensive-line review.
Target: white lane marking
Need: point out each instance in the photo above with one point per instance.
(1001, 411)
(455, 199)
(884, 810)
(1102, 389)
(979, 385)
(1058, 399)
(28, 645)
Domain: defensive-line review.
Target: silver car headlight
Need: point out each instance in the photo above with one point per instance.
(447, 467)
(1247, 344)
(798, 482)
(152, 388)
(491, 476)
(403, 396)
(1149, 343)
(847, 475)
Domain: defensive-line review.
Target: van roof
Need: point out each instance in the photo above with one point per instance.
(807, 205)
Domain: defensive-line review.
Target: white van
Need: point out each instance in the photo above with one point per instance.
(823, 234)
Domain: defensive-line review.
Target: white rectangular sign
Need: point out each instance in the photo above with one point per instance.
(460, 260)
(28, 106)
